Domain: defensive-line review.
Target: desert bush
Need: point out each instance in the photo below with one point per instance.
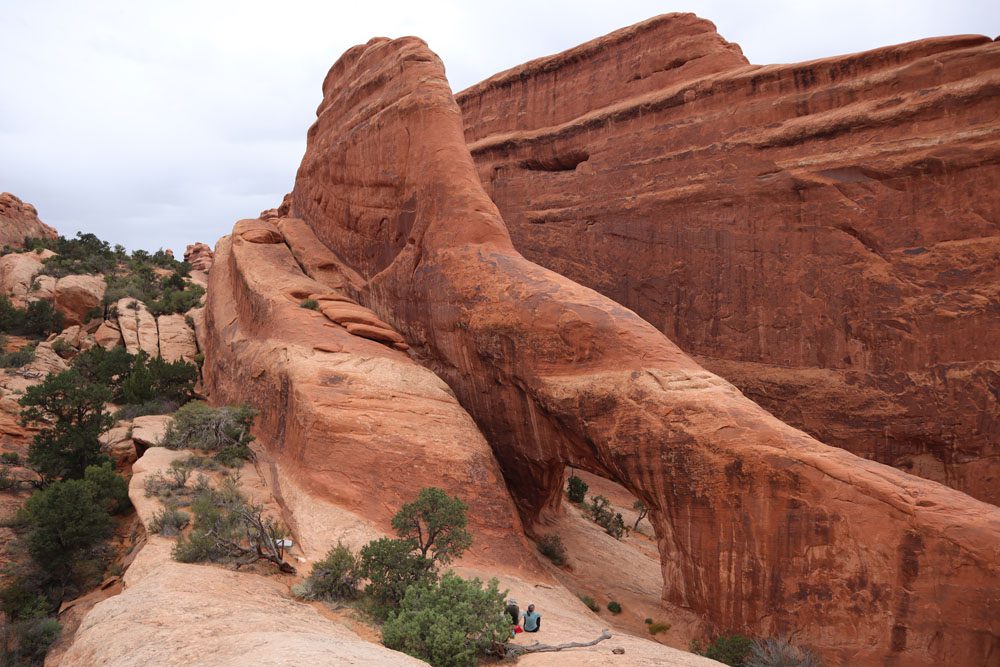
(169, 521)
(589, 601)
(391, 566)
(576, 489)
(9, 483)
(156, 406)
(615, 607)
(643, 511)
(551, 546)
(71, 414)
(333, 578)
(107, 487)
(311, 304)
(436, 522)
(224, 430)
(39, 318)
(730, 650)
(10, 459)
(449, 623)
(780, 653)
(612, 522)
(18, 359)
(65, 519)
(33, 639)
(657, 628)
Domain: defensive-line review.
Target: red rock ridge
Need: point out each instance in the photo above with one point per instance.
(760, 527)
(19, 220)
(823, 234)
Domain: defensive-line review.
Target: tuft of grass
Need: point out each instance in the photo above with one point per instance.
(657, 628)
(552, 547)
(589, 601)
(311, 304)
(614, 607)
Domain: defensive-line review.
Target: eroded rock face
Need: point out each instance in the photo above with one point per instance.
(199, 256)
(19, 220)
(356, 422)
(138, 327)
(17, 275)
(176, 338)
(823, 234)
(77, 296)
(759, 526)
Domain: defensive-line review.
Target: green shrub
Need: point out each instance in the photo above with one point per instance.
(224, 430)
(62, 348)
(156, 406)
(65, 519)
(589, 601)
(648, 621)
(21, 600)
(39, 318)
(34, 639)
(449, 623)
(391, 566)
(730, 650)
(71, 414)
(436, 522)
(614, 607)
(18, 359)
(552, 547)
(780, 653)
(9, 483)
(657, 628)
(333, 578)
(10, 459)
(311, 304)
(169, 521)
(107, 487)
(612, 522)
(576, 489)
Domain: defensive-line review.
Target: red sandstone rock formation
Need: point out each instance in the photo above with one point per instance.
(199, 256)
(760, 527)
(19, 220)
(353, 421)
(823, 234)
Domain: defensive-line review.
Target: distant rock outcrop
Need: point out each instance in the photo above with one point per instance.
(18, 221)
(759, 526)
(822, 234)
(199, 256)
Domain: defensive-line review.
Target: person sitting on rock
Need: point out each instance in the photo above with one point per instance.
(532, 619)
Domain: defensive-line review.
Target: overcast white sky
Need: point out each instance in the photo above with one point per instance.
(157, 124)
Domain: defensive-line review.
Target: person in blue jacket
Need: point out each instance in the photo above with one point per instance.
(532, 619)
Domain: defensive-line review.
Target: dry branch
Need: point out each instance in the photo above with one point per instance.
(515, 650)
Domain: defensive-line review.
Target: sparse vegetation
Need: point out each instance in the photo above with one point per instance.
(311, 304)
(436, 522)
(643, 511)
(589, 601)
(733, 650)
(600, 512)
(551, 546)
(333, 578)
(169, 521)
(391, 566)
(656, 628)
(38, 319)
(780, 653)
(576, 489)
(614, 607)
(449, 623)
(224, 431)
(19, 358)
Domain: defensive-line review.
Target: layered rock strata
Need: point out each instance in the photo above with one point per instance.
(822, 234)
(760, 527)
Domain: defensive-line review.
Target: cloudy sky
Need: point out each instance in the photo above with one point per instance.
(156, 124)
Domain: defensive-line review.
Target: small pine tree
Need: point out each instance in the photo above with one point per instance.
(436, 522)
(577, 489)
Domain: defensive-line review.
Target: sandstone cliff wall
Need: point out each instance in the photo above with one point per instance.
(760, 527)
(822, 234)
(19, 220)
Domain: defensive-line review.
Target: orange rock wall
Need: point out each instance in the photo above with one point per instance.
(825, 235)
(760, 527)
(19, 220)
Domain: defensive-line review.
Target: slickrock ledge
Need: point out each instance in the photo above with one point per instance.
(760, 527)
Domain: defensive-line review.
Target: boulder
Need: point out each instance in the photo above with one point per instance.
(117, 443)
(821, 234)
(138, 327)
(199, 256)
(76, 296)
(147, 431)
(43, 289)
(18, 221)
(17, 275)
(761, 528)
(177, 340)
(108, 335)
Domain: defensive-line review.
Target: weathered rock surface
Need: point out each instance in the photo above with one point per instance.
(173, 613)
(822, 234)
(17, 274)
(138, 327)
(199, 256)
(148, 430)
(759, 526)
(176, 338)
(354, 422)
(108, 335)
(76, 296)
(19, 220)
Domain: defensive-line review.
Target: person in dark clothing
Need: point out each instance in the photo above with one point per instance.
(513, 611)
(532, 619)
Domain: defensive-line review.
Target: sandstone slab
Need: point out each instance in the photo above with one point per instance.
(176, 339)
(76, 296)
(138, 327)
(19, 220)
